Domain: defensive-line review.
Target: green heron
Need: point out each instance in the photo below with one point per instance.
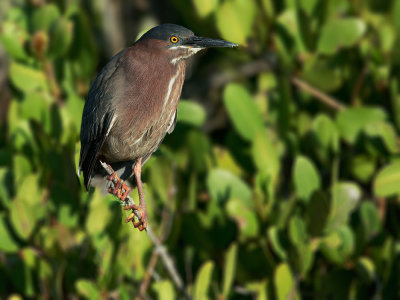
(132, 105)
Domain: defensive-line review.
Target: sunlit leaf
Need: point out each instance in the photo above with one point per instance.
(387, 182)
(273, 236)
(265, 155)
(164, 289)
(345, 198)
(27, 79)
(235, 19)
(203, 280)
(229, 269)
(205, 7)
(87, 289)
(244, 216)
(284, 283)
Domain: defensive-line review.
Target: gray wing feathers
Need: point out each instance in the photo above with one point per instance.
(98, 115)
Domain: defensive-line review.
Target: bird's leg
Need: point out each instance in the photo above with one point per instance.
(142, 223)
(120, 189)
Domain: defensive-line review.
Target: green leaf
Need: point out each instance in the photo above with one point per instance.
(284, 283)
(370, 219)
(7, 244)
(99, 214)
(387, 182)
(244, 216)
(235, 20)
(386, 132)
(21, 168)
(35, 107)
(229, 269)
(60, 37)
(306, 178)
(13, 37)
(87, 289)
(164, 289)
(205, 7)
(317, 213)
(338, 245)
(297, 231)
(191, 113)
(340, 33)
(27, 79)
(323, 76)
(326, 132)
(203, 280)
(259, 289)
(44, 16)
(243, 111)
(223, 185)
(27, 207)
(274, 239)
(345, 198)
(365, 266)
(352, 121)
(265, 155)
(363, 167)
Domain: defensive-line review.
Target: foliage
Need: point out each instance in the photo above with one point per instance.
(264, 189)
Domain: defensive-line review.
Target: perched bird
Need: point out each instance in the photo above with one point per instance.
(132, 105)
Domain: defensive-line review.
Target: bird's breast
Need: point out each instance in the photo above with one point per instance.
(145, 113)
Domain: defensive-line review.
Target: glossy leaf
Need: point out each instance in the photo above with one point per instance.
(345, 198)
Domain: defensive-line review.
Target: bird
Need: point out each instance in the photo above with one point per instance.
(132, 105)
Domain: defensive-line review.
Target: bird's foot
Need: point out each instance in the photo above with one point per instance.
(141, 224)
(120, 189)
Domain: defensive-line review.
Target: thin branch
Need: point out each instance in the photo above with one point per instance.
(159, 247)
(319, 95)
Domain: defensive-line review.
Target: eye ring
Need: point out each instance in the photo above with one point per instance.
(174, 39)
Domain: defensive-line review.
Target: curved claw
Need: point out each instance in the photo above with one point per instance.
(142, 223)
(120, 189)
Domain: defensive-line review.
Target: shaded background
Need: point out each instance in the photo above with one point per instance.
(280, 181)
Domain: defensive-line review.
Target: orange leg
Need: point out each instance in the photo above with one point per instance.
(142, 224)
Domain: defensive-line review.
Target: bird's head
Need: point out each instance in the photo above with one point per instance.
(179, 42)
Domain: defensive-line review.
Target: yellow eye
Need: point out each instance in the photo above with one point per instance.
(174, 39)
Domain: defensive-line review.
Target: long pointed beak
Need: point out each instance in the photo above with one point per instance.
(202, 42)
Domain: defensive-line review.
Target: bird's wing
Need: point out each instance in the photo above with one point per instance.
(97, 118)
(173, 124)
